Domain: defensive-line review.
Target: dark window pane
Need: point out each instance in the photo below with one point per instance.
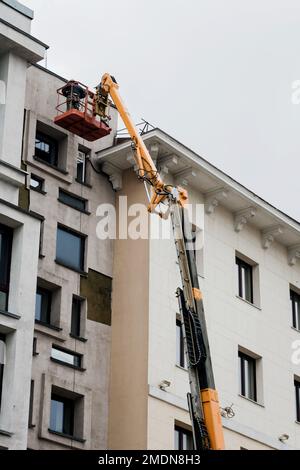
(62, 415)
(34, 347)
(1, 382)
(76, 316)
(73, 201)
(30, 416)
(46, 148)
(43, 305)
(70, 248)
(5, 261)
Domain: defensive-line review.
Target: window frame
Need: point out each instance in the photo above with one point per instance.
(82, 238)
(243, 357)
(295, 299)
(53, 152)
(248, 268)
(5, 285)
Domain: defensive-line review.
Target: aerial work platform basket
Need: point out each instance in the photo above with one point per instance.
(76, 112)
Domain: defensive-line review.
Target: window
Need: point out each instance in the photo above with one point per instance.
(180, 355)
(70, 248)
(183, 439)
(37, 183)
(245, 280)
(71, 200)
(46, 148)
(62, 415)
(41, 241)
(30, 416)
(67, 357)
(43, 305)
(247, 369)
(295, 301)
(34, 347)
(2, 362)
(81, 167)
(297, 390)
(76, 317)
(5, 259)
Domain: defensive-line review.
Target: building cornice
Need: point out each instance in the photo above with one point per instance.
(218, 189)
(21, 31)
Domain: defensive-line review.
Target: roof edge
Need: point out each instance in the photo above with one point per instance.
(20, 8)
(239, 186)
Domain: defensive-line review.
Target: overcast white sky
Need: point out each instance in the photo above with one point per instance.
(215, 74)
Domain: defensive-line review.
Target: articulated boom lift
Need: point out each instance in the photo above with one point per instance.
(203, 398)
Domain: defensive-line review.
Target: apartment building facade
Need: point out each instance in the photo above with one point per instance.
(70, 371)
(249, 271)
(55, 285)
(19, 228)
(94, 349)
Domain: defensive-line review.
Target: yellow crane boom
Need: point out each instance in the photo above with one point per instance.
(87, 115)
(203, 399)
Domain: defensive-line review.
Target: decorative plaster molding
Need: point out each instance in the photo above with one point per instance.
(269, 234)
(241, 218)
(213, 198)
(293, 254)
(168, 164)
(184, 177)
(115, 175)
(130, 158)
(154, 151)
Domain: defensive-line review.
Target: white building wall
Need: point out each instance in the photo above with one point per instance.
(264, 330)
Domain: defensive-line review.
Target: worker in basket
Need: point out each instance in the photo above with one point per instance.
(74, 93)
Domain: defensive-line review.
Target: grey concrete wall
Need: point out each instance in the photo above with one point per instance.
(41, 102)
(19, 327)
(17, 322)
